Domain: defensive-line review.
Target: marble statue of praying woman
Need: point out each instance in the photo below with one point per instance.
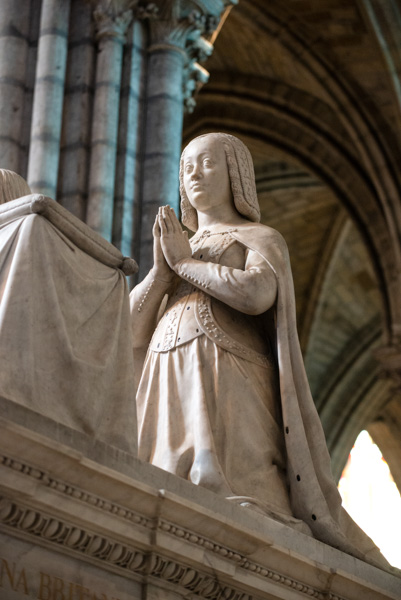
(223, 399)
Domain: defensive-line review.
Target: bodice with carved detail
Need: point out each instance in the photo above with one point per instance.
(192, 312)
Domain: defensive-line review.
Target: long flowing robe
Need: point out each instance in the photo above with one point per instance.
(313, 494)
(217, 423)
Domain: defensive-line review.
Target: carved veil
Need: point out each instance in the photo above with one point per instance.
(240, 169)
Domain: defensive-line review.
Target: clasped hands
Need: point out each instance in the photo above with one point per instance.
(170, 244)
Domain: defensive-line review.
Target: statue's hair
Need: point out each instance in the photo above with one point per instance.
(12, 186)
(242, 178)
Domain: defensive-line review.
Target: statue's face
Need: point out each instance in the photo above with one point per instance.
(206, 178)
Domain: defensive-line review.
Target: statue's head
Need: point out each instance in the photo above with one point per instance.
(12, 186)
(241, 176)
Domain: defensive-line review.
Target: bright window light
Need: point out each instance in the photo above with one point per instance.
(372, 498)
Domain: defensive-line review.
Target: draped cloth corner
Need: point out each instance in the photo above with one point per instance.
(65, 335)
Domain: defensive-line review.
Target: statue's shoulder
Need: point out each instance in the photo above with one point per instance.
(261, 236)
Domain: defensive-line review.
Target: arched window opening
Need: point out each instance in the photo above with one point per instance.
(371, 497)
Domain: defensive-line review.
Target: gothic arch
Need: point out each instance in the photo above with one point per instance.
(376, 146)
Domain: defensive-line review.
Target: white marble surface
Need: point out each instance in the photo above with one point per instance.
(65, 342)
(223, 400)
(147, 526)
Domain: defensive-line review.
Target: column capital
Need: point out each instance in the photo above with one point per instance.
(181, 22)
(187, 26)
(169, 35)
(112, 18)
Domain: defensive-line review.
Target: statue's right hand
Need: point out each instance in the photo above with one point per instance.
(161, 270)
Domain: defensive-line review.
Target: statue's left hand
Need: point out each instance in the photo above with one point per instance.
(174, 240)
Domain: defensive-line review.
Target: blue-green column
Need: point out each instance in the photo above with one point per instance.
(164, 118)
(111, 30)
(77, 112)
(48, 97)
(176, 47)
(131, 127)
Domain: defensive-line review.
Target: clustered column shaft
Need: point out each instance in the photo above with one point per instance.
(126, 222)
(14, 17)
(162, 140)
(111, 36)
(72, 189)
(48, 97)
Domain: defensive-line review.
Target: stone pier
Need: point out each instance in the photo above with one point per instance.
(48, 97)
(111, 30)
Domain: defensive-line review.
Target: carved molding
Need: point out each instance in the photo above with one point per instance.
(195, 76)
(34, 525)
(108, 551)
(77, 493)
(46, 527)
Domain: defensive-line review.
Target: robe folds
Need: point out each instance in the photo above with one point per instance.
(313, 495)
(65, 336)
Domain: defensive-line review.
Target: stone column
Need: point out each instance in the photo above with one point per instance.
(111, 26)
(48, 97)
(164, 117)
(34, 29)
(176, 47)
(131, 124)
(14, 33)
(77, 114)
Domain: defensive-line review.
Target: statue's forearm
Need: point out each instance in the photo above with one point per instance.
(251, 291)
(145, 301)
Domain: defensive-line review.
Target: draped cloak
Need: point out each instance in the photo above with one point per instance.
(313, 493)
(314, 497)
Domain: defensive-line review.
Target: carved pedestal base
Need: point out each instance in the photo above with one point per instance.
(97, 524)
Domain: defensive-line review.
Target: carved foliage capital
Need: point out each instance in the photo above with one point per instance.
(112, 18)
(183, 22)
(182, 25)
(169, 33)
